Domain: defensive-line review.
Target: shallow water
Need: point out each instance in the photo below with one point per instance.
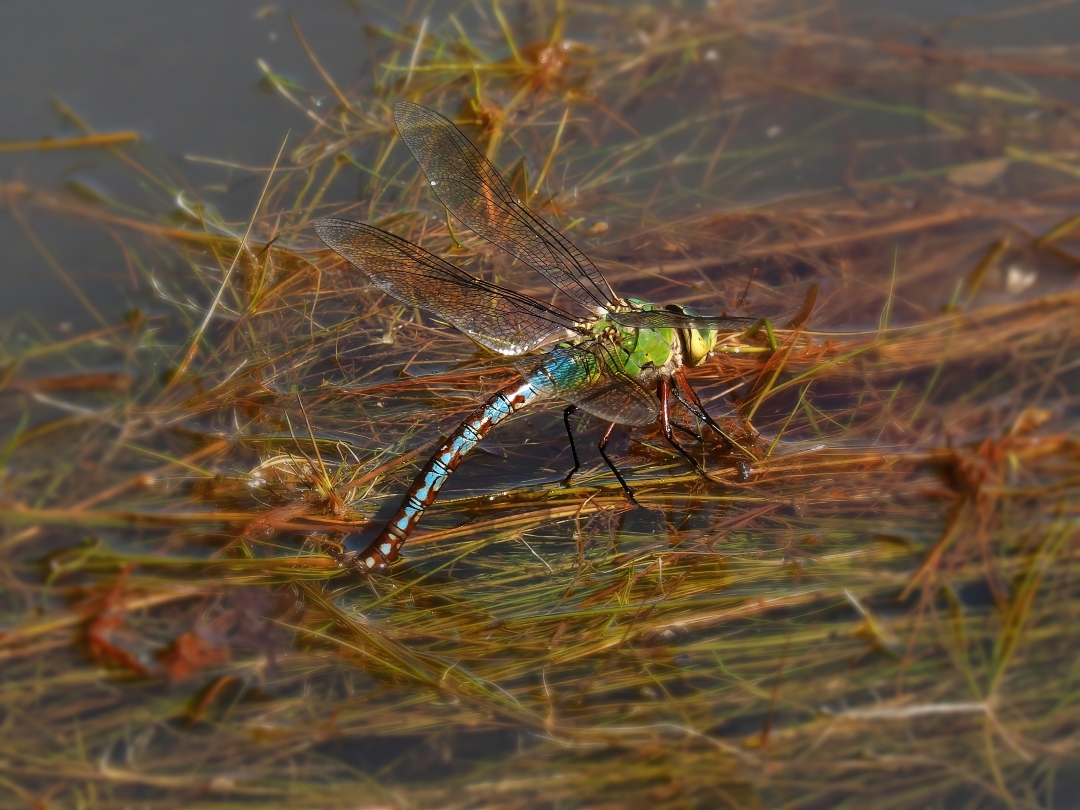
(184, 76)
(886, 610)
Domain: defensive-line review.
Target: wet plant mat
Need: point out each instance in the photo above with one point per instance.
(882, 615)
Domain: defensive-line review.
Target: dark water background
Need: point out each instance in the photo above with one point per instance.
(184, 75)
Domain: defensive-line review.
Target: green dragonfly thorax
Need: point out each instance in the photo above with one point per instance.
(645, 352)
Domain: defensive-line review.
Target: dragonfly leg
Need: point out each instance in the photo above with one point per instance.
(693, 434)
(601, 447)
(666, 426)
(573, 448)
(686, 395)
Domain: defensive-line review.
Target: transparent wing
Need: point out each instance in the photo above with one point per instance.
(589, 377)
(474, 192)
(659, 319)
(498, 319)
(617, 397)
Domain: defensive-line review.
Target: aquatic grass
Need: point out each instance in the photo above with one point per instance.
(882, 614)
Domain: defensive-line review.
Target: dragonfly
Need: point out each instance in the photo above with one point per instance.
(623, 362)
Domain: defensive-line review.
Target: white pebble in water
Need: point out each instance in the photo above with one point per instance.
(1017, 279)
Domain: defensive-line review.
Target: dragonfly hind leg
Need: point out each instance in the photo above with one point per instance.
(573, 448)
(601, 447)
(603, 452)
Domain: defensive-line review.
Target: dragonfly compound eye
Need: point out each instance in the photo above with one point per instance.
(697, 343)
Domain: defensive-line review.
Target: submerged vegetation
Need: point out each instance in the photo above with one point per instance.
(883, 614)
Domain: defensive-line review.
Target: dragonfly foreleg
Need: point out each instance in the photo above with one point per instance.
(573, 448)
(667, 427)
(601, 447)
(688, 397)
(693, 434)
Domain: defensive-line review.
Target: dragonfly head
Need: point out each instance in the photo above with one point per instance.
(697, 343)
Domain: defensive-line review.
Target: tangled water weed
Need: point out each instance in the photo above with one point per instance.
(883, 614)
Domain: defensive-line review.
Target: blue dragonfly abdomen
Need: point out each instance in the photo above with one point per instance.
(562, 373)
(425, 487)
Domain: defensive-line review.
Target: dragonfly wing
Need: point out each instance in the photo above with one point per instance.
(589, 378)
(623, 401)
(474, 192)
(659, 319)
(498, 319)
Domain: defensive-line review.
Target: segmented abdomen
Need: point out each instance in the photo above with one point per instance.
(427, 484)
